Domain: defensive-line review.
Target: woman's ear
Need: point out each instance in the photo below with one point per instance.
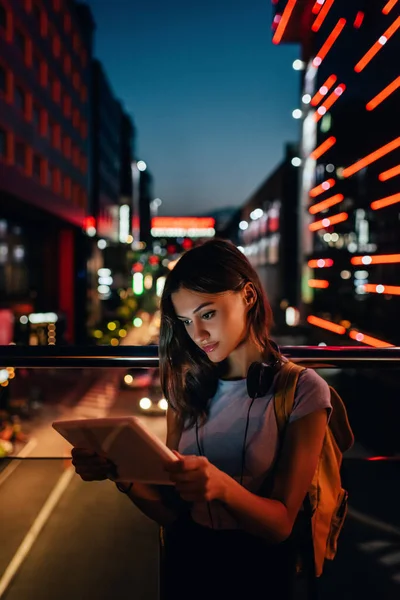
(249, 294)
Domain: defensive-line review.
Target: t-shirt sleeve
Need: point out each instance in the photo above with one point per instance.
(312, 394)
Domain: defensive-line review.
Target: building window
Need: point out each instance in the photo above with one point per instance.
(76, 42)
(83, 94)
(20, 154)
(67, 23)
(55, 88)
(3, 17)
(37, 164)
(83, 129)
(36, 115)
(3, 143)
(56, 179)
(20, 41)
(76, 81)
(83, 57)
(67, 147)
(67, 106)
(19, 98)
(56, 136)
(67, 188)
(36, 65)
(75, 119)
(67, 64)
(3, 80)
(56, 45)
(57, 5)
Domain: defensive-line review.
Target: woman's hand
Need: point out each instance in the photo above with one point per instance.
(92, 467)
(196, 479)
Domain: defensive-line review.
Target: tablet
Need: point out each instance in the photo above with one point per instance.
(138, 454)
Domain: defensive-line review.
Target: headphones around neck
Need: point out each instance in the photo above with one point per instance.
(260, 377)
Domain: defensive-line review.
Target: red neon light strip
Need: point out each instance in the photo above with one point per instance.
(377, 46)
(378, 259)
(389, 173)
(320, 189)
(358, 21)
(368, 340)
(322, 14)
(324, 324)
(321, 284)
(364, 162)
(317, 6)
(316, 208)
(388, 7)
(385, 93)
(388, 201)
(324, 223)
(329, 102)
(323, 90)
(320, 263)
(337, 30)
(280, 30)
(324, 147)
(373, 288)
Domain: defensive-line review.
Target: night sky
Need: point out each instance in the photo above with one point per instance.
(210, 94)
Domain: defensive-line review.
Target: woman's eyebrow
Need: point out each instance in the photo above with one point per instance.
(197, 309)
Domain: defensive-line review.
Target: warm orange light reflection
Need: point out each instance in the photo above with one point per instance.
(388, 7)
(324, 147)
(329, 102)
(317, 6)
(368, 340)
(392, 87)
(324, 223)
(323, 187)
(322, 15)
(320, 263)
(378, 259)
(316, 208)
(385, 175)
(373, 288)
(358, 21)
(318, 283)
(388, 201)
(364, 162)
(377, 46)
(324, 324)
(333, 36)
(280, 30)
(323, 90)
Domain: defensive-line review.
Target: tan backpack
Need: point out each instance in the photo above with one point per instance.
(326, 496)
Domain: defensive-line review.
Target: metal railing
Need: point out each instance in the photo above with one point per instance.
(147, 356)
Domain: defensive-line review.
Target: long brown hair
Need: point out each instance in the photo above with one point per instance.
(188, 378)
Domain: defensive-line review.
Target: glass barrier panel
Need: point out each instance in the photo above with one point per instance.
(63, 538)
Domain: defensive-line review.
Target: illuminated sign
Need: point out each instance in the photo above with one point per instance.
(194, 227)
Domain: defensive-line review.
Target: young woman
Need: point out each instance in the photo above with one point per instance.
(233, 524)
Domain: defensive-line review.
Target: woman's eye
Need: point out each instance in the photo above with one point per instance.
(209, 315)
(186, 323)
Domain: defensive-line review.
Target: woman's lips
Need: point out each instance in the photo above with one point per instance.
(210, 347)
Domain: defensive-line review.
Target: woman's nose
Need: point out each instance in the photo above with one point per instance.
(200, 334)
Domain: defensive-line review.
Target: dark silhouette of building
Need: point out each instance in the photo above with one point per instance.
(350, 151)
(268, 233)
(45, 80)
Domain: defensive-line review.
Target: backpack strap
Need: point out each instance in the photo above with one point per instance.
(285, 393)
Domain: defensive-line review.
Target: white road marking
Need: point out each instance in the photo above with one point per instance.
(374, 545)
(390, 559)
(35, 529)
(372, 522)
(10, 468)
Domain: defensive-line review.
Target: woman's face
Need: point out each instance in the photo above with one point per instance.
(217, 323)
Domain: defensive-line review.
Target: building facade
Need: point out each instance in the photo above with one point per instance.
(349, 195)
(45, 79)
(268, 231)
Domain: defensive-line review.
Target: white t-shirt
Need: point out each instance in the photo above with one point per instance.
(221, 438)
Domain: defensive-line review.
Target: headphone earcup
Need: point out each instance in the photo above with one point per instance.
(260, 377)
